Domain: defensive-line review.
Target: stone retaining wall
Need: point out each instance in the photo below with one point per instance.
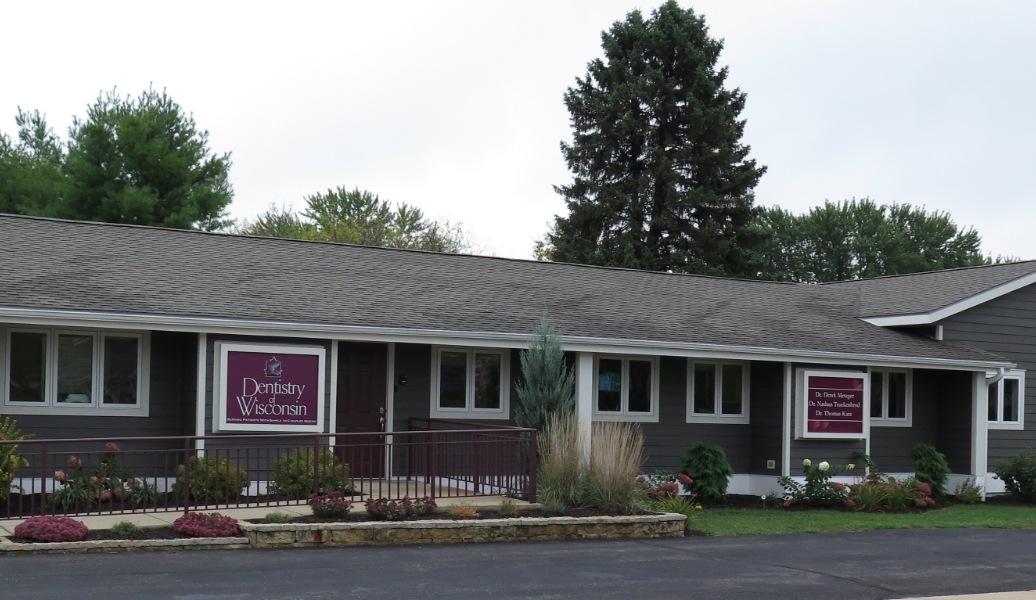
(380, 533)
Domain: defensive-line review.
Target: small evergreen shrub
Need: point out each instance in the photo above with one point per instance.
(968, 492)
(818, 489)
(277, 517)
(707, 465)
(212, 479)
(1019, 475)
(294, 477)
(124, 529)
(931, 468)
(331, 505)
(548, 384)
(51, 529)
(196, 524)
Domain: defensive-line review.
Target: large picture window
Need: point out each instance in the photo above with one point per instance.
(891, 398)
(717, 392)
(1007, 401)
(470, 383)
(54, 371)
(626, 388)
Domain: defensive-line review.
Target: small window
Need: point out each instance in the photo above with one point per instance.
(120, 370)
(890, 398)
(470, 383)
(27, 366)
(717, 392)
(626, 389)
(1007, 401)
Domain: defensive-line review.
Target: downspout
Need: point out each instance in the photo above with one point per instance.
(995, 379)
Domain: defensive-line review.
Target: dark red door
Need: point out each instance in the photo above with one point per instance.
(361, 406)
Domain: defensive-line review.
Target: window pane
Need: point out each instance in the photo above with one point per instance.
(75, 368)
(993, 415)
(732, 377)
(640, 386)
(609, 385)
(487, 381)
(120, 370)
(897, 395)
(877, 383)
(1011, 402)
(453, 379)
(28, 366)
(705, 389)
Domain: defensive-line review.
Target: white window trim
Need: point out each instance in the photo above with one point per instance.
(624, 415)
(908, 421)
(717, 417)
(469, 411)
(50, 405)
(1019, 375)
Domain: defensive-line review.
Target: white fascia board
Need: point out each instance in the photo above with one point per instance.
(211, 326)
(948, 311)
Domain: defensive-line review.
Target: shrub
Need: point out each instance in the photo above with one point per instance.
(818, 490)
(968, 492)
(664, 485)
(611, 477)
(932, 468)
(878, 492)
(464, 511)
(277, 517)
(51, 529)
(293, 474)
(1019, 475)
(141, 493)
(331, 505)
(560, 461)
(508, 508)
(212, 479)
(81, 487)
(547, 382)
(124, 529)
(707, 465)
(383, 509)
(196, 524)
(10, 461)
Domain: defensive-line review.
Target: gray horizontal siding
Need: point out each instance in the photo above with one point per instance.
(1005, 326)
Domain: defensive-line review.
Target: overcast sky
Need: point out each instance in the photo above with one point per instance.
(456, 107)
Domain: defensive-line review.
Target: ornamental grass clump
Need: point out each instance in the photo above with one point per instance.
(196, 524)
(332, 505)
(818, 490)
(51, 529)
(560, 461)
(611, 482)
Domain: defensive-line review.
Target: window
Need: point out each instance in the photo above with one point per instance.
(717, 392)
(470, 383)
(1007, 401)
(626, 389)
(62, 372)
(891, 398)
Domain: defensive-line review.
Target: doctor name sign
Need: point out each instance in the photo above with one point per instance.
(270, 388)
(832, 405)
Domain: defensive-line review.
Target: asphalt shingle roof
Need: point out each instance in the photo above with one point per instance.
(94, 267)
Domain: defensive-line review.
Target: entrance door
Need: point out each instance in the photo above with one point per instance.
(362, 369)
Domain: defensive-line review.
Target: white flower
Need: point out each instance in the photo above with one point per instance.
(851, 466)
(763, 497)
(806, 462)
(824, 466)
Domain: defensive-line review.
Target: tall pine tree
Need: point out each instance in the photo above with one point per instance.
(661, 178)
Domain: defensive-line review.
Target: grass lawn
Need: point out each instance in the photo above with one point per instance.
(753, 521)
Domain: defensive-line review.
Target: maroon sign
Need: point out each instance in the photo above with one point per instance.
(834, 405)
(271, 388)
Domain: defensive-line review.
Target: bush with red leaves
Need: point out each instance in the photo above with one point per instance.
(196, 524)
(51, 529)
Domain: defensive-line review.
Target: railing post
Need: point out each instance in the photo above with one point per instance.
(43, 478)
(186, 487)
(433, 453)
(316, 463)
(478, 464)
(532, 466)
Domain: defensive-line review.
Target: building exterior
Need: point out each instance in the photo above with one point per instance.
(112, 330)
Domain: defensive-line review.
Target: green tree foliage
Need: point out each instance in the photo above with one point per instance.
(857, 238)
(141, 161)
(547, 384)
(360, 217)
(661, 180)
